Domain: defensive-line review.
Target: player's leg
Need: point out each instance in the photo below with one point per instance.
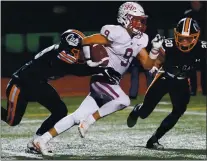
(133, 91)
(119, 100)
(149, 77)
(157, 89)
(87, 107)
(180, 96)
(47, 96)
(203, 77)
(16, 105)
(193, 83)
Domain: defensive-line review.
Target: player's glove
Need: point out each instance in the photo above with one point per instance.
(153, 71)
(113, 76)
(95, 64)
(156, 45)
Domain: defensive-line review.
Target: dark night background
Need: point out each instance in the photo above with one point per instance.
(39, 17)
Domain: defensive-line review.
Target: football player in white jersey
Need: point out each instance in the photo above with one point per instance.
(122, 43)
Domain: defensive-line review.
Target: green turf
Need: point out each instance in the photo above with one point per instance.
(110, 138)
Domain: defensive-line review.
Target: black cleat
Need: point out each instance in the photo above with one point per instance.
(133, 116)
(152, 144)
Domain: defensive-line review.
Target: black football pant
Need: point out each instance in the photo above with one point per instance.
(179, 94)
(204, 76)
(193, 82)
(18, 97)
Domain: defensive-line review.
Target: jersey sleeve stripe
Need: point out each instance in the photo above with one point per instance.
(68, 56)
(64, 59)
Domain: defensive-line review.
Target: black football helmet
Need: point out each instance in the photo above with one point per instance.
(186, 34)
(71, 43)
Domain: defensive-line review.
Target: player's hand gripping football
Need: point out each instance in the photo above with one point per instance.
(113, 76)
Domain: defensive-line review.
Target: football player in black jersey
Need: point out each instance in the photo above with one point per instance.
(30, 82)
(177, 59)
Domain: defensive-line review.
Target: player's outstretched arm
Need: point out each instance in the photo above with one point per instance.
(148, 60)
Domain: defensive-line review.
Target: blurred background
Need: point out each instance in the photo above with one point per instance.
(28, 27)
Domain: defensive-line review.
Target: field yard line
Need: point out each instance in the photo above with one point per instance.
(169, 110)
(21, 154)
(130, 107)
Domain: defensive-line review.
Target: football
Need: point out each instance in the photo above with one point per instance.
(98, 52)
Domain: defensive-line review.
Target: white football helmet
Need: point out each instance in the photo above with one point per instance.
(131, 15)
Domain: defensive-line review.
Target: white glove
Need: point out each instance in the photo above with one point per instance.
(153, 70)
(156, 45)
(157, 42)
(95, 64)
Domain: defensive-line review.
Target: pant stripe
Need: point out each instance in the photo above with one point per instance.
(95, 88)
(10, 103)
(156, 77)
(13, 97)
(111, 89)
(103, 90)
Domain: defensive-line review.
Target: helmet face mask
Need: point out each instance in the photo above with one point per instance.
(186, 34)
(137, 24)
(131, 15)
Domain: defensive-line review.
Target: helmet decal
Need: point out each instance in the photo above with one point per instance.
(131, 15)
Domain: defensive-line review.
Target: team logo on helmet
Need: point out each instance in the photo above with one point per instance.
(72, 40)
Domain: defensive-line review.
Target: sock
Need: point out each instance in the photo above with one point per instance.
(46, 137)
(64, 124)
(90, 120)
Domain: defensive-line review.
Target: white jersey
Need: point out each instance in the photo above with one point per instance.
(123, 48)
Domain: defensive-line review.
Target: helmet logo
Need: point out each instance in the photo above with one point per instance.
(129, 7)
(72, 40)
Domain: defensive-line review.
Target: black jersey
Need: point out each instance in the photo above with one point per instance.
(180, 63)
(51, 63)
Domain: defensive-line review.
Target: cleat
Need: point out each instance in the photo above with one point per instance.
(154, 145)
(83, 128)
(31, 148)
(40, 145)
(133, 116)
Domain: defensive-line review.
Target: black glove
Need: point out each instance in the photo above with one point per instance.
(113, 76)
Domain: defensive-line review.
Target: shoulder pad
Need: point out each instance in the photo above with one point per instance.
(111, 31)
(145, 40)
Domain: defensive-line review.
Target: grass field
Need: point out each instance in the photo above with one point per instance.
(110, 138)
